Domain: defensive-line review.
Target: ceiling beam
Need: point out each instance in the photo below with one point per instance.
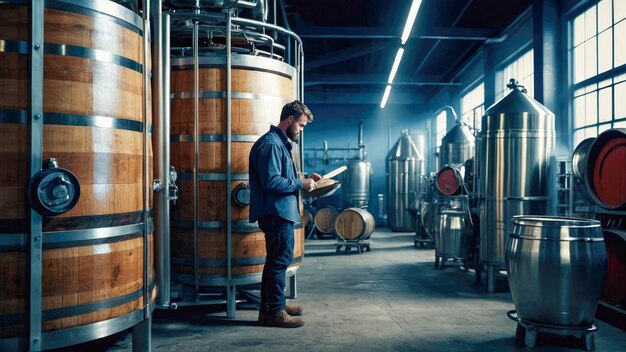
(311, 80)
(358, 98)
(344, 55)
(442, 33)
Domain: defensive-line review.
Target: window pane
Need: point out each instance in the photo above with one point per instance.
(579, 30)
(620, 41)
(605, 19)
(579, 136)
(579, 112)
(579, 63)
(591, 132)
(590, 23)
(619, 10)
(591, 108)
(590, 58)
(604, 127)
(619, 124)
(605, 51)
(620, 100)
(605, 105)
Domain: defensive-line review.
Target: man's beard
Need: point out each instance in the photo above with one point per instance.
(291, 133)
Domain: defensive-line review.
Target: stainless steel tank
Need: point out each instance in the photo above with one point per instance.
(356, 186)
(557, 268)
(514, 149)
(453, 239)
(457, 146)
(405, 167)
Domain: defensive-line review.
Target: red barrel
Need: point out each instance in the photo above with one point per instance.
(606, 169)
(449, 180)
(615, 287)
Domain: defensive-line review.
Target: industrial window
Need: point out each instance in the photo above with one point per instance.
(598, 51)
(522, 70)
(441, 126)
(473, 106)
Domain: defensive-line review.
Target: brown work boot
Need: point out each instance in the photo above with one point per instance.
(283, 320)
(294, 309)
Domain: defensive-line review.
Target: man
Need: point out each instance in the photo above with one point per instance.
(274, 191)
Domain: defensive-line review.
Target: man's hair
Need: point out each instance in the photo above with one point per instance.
(296, 109)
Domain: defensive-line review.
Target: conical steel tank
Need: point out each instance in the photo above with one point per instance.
(457, 146)
(514, 149)
(405, 167)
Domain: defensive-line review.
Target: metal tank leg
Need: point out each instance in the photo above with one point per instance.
(491, 278)
(530, 339)
(293, 287)
(142, 336)
(590, 342)
(231, 301)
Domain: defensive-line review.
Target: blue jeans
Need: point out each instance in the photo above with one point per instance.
(279, 247)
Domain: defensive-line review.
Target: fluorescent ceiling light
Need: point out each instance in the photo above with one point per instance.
(396, 63)
(410, 20)
(385, 96)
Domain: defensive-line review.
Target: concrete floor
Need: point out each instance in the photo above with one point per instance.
(389, 299)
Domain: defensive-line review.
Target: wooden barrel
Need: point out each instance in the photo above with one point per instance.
(615, 286)
(93, 115)
(354, 224)
(606, 170)
(307, 219)
(449, 180)
(325, 219)
(260, 88)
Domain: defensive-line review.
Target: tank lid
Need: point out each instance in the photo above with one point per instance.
(516, 102)
(459, 134)
(404, 148)
(556, 228)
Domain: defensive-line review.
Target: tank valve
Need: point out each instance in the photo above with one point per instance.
(53, 190)
(172, 188)
(241, 194)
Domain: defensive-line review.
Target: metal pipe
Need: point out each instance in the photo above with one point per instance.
(165, 52)
(196, 107)
(146, 165)
(449, 108)
(160, 84)
(231, 303)
(36, 158)
(360, 140)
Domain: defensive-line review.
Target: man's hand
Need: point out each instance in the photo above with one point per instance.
(315, 177)
(308, 184)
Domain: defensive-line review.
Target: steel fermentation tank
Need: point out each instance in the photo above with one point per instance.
(457, 146)
(515, 146)
(405, 167)
(356, 188)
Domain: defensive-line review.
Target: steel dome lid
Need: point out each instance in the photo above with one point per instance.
(517, 111)
(459, 134)
(517, 102)
(405, 148)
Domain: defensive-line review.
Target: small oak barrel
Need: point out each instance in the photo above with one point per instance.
(615, 286)
(94, 123)
(260, 88)
(606, 170)
(325, 219)
(354, 224)
(450, 180)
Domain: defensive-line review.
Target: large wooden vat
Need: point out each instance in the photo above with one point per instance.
(93, 104)
(606, 173)
(260, 88)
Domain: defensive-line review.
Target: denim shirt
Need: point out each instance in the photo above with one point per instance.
(274, 184)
